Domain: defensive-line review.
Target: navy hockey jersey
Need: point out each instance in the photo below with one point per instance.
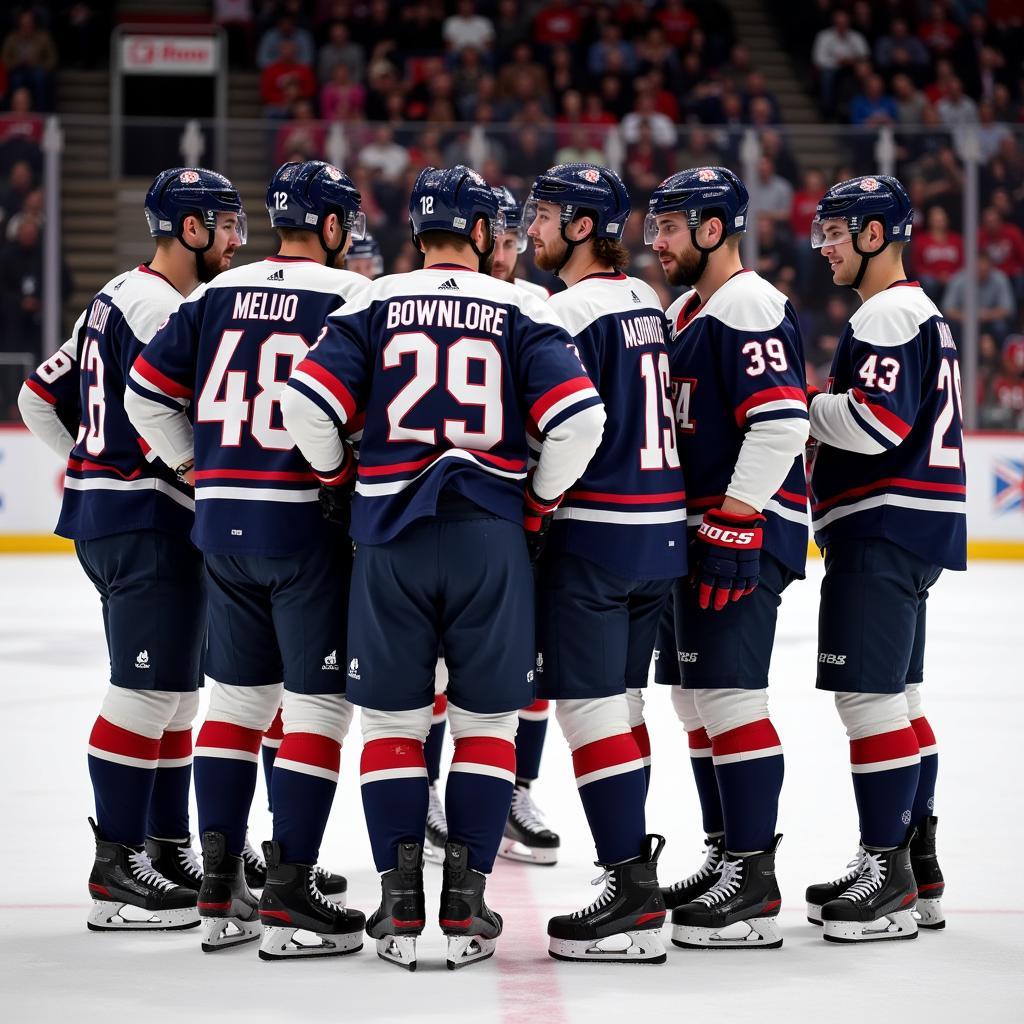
(442, 368)
(114, 482)
(889, 460)
(741, 409)
(627, 513)
(49, 400)
(227, 353)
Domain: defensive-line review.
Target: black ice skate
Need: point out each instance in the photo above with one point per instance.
(928, 875)
(822, 892)
(527, 838)
(254, 864)
(228, 908)
(745, 895)
(879, 903)
(437, 828)
(399, 920)
(701, 880)
(129, 894)
(292, 908)
(334, 887)
(471, 926)
(622, 925)
(176, 861)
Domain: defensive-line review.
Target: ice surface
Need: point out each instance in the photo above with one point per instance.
(53, 672)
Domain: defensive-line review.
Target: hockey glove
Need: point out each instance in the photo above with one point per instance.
(537, 517)
(727, 557)
(336, 488)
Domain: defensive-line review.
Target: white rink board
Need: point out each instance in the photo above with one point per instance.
(52, 969)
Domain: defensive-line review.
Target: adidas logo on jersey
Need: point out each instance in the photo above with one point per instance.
(142, 659)
(277, 275)
(831, 659)
(331, 662)
(448, 286)
(636, 298)
(353, 669)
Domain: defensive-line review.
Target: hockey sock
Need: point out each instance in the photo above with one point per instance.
(924, 799)
(122, 766)
(749, 767)
(226, 756)
(637, 725)
(703, 768)
(886, 768)
(435, 738)
(268, 750)
(533, 727)
(478, 796)
(394, 787)
(168, 805)
(304, 780)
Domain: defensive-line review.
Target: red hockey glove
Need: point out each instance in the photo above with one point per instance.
(537, 515)
(727, 557)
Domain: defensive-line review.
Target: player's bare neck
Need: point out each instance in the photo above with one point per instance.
(452, 255)
(178, 265)
(305, 249)
(881, 274)
(727, 264)
(583, 264)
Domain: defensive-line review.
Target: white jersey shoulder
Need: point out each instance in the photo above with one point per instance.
(534, 289)
(292, 276)
(746, 302)
(146, 299)
(676, 307)
(595, 297)
(894, 316)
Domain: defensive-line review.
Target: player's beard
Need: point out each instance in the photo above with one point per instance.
(550, 256)
(686, 270)
(487, 262)
(210, 264)
(501, 270)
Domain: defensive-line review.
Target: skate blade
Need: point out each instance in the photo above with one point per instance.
(227, 932)
(898, 925)
(928, 914)
(638, 947)
(756, 933)
(111, 916)
(464, 950)
(293, 943)
(814, 914)
(399, 950)
(511, 849)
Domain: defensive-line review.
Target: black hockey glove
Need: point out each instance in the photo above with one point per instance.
(537, 517)
(336, 489)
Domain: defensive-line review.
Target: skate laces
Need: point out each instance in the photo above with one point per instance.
(712, 859)
(435, 812)
(190, 862)
(525, 811)
(314, 891)
(853, 868)
(727, 886)
(606, 896)
(252, 857)
(870, 879)
(142, 868)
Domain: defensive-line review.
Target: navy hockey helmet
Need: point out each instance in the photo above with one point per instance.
(695, 193)
(366, 248)
(513, 211)
(180, 192)
(301, 196)
(453, 199)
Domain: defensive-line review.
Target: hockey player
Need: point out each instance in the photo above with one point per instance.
(364, 258)
(277, 571)
(741, 412)
(130, 517)
(447, 363)
(888, 490)
(616, 545)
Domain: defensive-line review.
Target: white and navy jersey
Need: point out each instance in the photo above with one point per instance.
(442, 369)
(627, 512)
(889, 460)
(227, 353)
(114, 482)
(534, 289)
(49, 401)
(741, 409)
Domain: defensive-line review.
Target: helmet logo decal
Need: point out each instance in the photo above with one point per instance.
(589, 174)
(332, 172)
(870, 185)
(706, 174)
(458, 222)
(188, 177)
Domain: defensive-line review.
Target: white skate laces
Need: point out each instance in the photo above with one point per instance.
(143, 870)
(315, 894)
(189, 861)
(525, 811)
(853, 868)
(712, 859)
(435, 812)
(252, 857)
(727, 886)
(604, 899)
(870, 879)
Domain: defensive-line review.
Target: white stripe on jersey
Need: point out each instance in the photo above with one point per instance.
(779, 405)
(149, 386)
(600, 515)
(793, 515)
(563, 404)
(75, 483)
(900, 500)
(256, 494)
(314, 385)
(370, 490)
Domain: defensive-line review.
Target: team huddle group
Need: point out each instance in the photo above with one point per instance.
(448, 493)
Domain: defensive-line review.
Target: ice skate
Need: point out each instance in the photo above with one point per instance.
(822, 892)
(334, 887)
(228, 908)
(437, 828)
(255, 865)
(622, 925)
(526, 837)
(399, 920)
(298, 919)
(738, 912)
(471, 926)
(129, 894)
(701, 880)
(879, 903)
(928, 875)
(176, 861)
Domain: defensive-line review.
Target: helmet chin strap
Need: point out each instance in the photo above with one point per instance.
(331, 251)
(864, 256)
(203, 272)
(482, 257)
(705, 252)
(570, 245)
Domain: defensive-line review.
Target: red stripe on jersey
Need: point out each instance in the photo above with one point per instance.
(570, 387)
(643, 739)
(780, 394)
(690, 309)
(276, 730)
(309, 748)
(889, 481)
(252, 474)
(356, 423)
(440, 704)
(229, 736)
(115, 740)
(606, 753)
(752, 736)
(36, 388)
(885, 416)
(176, 744)
(699, 739)
(513, 465)
(797, 499)
(160, 380)
(143, 447)
(885, 746)
(380, 755)
(712, 501)
(538, 705)
(487, 750)
(85, 466)
(329, 381)
(629, 499)
(923, 731)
